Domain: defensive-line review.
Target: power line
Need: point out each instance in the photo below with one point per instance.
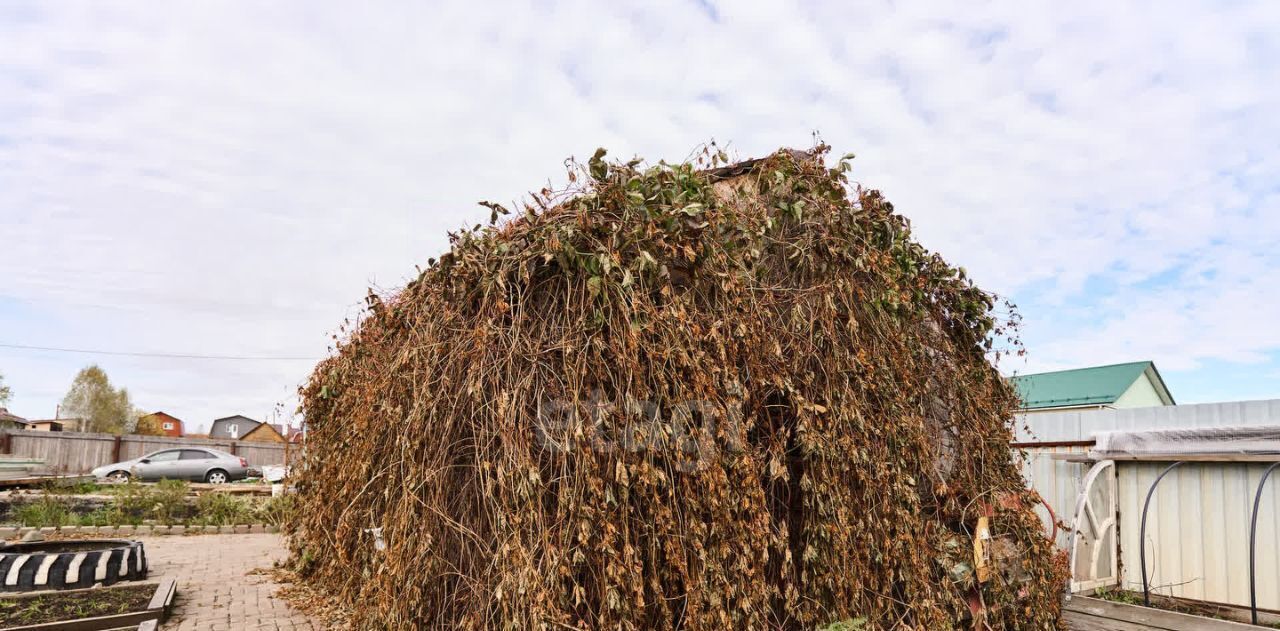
(163, 355)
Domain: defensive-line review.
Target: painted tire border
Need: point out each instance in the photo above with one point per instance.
(123, 560)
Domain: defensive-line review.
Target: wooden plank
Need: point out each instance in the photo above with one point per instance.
(162, 600)
(98, 623)
(44, 479)
(1053, 444)
(1150, 618)
(1084, 622)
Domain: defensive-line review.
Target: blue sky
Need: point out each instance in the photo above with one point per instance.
(227, 179)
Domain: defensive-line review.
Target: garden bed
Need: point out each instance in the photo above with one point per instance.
(168, 503)
(1215, 611)
(87, 609)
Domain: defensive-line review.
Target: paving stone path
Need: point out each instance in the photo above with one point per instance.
(215, 592)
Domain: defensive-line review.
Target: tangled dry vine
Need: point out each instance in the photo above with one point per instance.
(680, 396)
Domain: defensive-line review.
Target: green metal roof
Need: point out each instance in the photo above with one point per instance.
(1098, 385)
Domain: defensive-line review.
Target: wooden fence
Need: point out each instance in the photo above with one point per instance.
(77, 452)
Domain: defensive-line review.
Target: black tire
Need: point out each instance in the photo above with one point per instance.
(119, 476)
(212, 477)
(119, 560)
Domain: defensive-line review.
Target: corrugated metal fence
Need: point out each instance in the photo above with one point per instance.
(1197, 528)
(1055, 480)
(77, 452)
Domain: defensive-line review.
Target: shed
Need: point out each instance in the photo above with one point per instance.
(60, 424)
(9, 420)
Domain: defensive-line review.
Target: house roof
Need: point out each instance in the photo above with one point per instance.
(6, 415)
(1096, 385)
(259, 428)
(164, 414)
(235, 417)
(64, 420)
(218, 428)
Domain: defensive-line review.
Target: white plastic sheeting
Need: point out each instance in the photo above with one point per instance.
(1081, 425)
(1263, 439)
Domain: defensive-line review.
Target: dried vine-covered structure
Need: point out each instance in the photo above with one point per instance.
(683, 396)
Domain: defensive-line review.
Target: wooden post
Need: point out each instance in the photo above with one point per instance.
(115, 449)
(232, 449)
(5, 443)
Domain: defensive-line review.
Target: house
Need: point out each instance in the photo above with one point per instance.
(264, 433)
(45, 425)
(232, 427)
(57, 425)
(9, 420)
(296, 435)
(160, 424)
(1131, 385)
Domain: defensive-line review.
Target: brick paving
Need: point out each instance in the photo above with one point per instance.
(215, 592)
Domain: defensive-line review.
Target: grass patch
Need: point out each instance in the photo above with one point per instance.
(83, 487)
(278, 511)
(222, 509)
(1122, 596)
(47, 511)
(165, 502)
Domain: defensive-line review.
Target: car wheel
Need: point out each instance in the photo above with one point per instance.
(119, 477)
(217, 476)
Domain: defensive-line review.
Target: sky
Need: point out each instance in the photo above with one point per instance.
(228, 179)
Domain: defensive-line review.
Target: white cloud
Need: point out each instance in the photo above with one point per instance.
(227, 179)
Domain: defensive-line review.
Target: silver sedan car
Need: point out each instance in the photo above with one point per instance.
(189, 463)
